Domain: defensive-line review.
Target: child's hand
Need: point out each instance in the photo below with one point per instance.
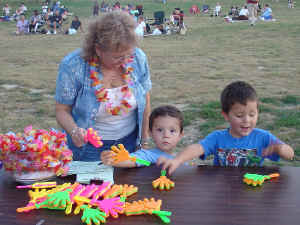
(121, 154)
(107, 158)
(273, 148)
(168, 164)
(283, 150)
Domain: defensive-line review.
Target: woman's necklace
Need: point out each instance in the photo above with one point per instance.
(102, 93)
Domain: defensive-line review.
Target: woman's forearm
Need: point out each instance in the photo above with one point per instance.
(64, 117)
(145, 125)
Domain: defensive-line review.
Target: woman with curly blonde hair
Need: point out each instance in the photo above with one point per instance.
(105, 86)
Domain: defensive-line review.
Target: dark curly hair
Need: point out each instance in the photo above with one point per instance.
(166, 110)
(237, 92)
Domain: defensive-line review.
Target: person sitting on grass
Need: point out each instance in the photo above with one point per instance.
(267, 13)
(54, 22)
(291, 4)
(243, 14)
(75, 25)
(22, 26)
(6, 10)
(23, 8)
(166, 129)
(239, 145)
(158, 30)
(35, 20)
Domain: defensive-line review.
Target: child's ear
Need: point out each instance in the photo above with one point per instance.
(225, 115)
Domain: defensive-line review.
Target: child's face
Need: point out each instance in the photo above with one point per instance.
(242, 118)
(166, 133)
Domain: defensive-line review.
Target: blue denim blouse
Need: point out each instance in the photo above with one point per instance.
(74, 88)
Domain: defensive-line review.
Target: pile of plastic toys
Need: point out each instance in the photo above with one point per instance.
(97, 202)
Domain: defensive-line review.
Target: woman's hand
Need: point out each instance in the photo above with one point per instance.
(107, 158)
(77, 136)
(66, 121)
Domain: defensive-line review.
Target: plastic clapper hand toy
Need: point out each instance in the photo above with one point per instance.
(111, 206)
(114, 191)
(92, 137)
(127, 191)
(80, 201)
(121, 154)
(60, 199)
(147, 207)
(78, 188)
(57, 201)
(134, 208)
(39, 198)
(104, 187)
(163, 183)
(153, 207)
(90, 215)
(253, 179)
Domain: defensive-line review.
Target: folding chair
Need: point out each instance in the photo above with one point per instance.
(205, 9)
(159, 18)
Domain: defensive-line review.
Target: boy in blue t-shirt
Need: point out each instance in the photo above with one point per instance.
(166, 130)
(241, 144)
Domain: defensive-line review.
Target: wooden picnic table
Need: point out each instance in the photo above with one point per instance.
(202, 195)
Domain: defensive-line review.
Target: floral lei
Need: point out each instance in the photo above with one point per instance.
(102, 94)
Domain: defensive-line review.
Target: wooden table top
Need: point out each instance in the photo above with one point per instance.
(202, 195)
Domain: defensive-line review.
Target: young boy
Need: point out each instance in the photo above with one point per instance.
(239, 145)
(166, 130)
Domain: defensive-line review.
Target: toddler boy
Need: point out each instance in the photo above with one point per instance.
(166, 130)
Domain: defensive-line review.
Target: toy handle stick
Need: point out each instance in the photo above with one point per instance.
(163, 215)
(39, 185)
(163, 172)
(26, 209)
(143, 162)
(24, 186)
(273, 175)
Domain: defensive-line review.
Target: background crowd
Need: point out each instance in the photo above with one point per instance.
(52, 16)
(47, 19)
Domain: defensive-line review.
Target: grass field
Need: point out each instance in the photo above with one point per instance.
(188, 71)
